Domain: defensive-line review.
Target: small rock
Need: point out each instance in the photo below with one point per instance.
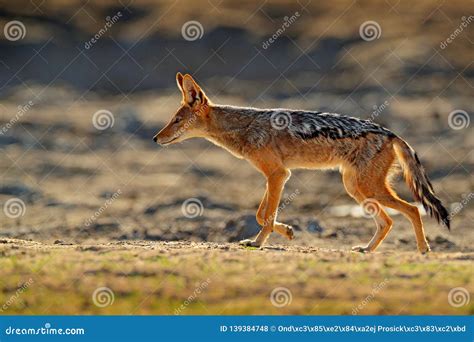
(314, 227)
(61, 242)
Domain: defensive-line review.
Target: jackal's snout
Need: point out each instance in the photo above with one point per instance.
(165, 136)
(156, 138)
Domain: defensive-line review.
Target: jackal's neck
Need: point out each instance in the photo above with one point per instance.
(228, 126)
(229, 120)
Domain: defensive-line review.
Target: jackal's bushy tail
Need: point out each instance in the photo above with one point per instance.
(419, 183)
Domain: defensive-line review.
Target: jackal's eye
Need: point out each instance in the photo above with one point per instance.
(176, 120)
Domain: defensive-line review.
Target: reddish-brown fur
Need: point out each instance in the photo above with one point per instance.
(365, 163)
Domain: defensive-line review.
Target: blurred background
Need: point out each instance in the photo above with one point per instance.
(84, 86)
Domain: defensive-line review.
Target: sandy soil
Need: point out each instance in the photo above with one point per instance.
(184, 278)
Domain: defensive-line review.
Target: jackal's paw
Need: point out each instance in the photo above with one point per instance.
(290, 233)
(287, 231)
(361, 249)
(249, 243)
(424, 249)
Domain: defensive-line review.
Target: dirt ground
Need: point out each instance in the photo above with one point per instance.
(221, 278)
(109, 208)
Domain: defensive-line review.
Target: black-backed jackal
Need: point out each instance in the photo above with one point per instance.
(277, 140)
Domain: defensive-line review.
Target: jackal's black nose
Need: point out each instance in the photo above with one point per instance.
(155, 138)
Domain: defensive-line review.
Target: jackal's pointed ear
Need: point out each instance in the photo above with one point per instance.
(179, 80)
(192, 93)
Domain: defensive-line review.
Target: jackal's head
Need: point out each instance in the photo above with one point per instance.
(192, 117)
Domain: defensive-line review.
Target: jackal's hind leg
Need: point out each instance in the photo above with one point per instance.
(378, 189)
(384, 224)
(412, 213)
(372, 207)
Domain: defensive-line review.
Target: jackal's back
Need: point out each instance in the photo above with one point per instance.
(312, 136)
(309, 125)
(298, 123)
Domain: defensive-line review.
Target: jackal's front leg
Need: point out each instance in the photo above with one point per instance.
(267, 213)
(281, 228)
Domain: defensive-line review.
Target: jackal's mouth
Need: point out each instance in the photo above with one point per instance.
(164, 143)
